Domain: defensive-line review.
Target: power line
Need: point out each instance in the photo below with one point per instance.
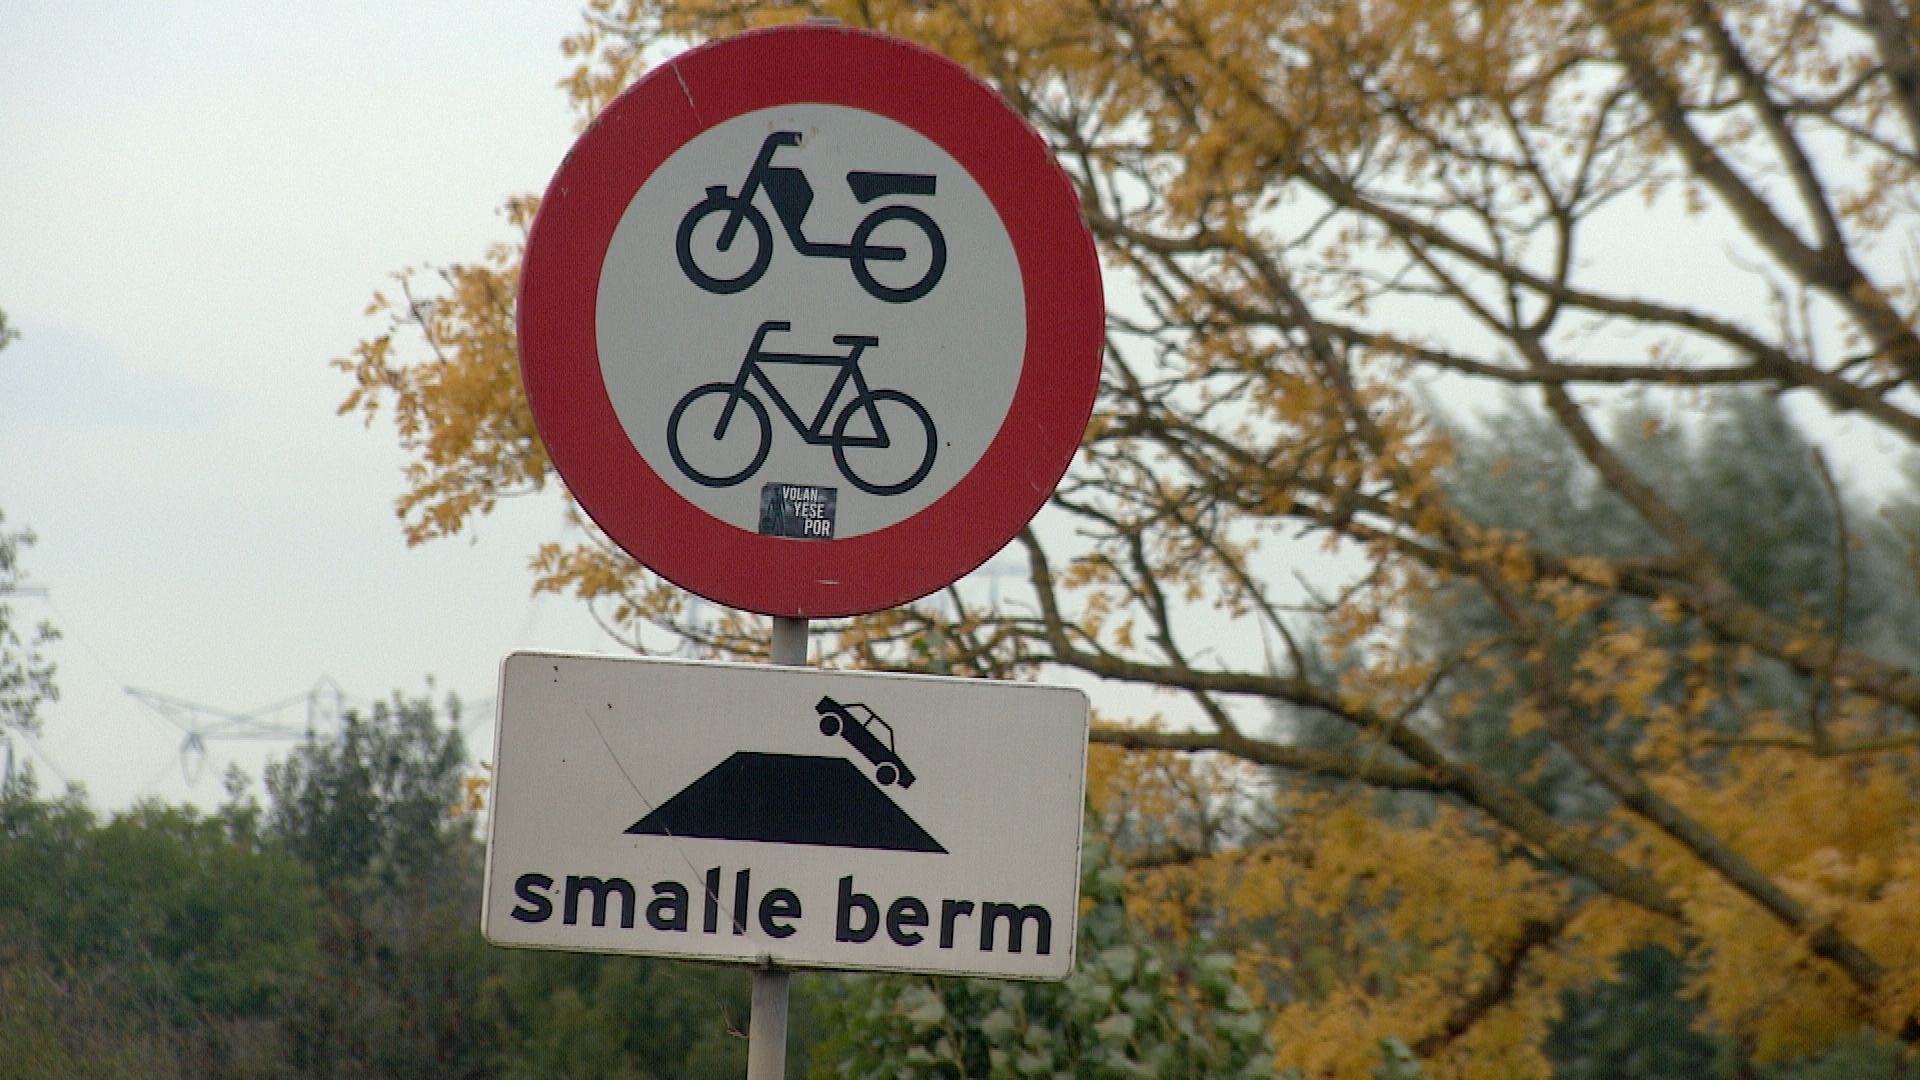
(319, 709)
(322, 707)
(38, 749)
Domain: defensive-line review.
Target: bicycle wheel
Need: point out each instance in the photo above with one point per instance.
(731, 268)
(929, 270)
(713, 455)
(884, 443)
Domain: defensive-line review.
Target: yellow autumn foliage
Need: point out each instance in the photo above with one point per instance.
(1320, 218)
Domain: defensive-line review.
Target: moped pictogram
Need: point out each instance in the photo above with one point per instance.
(712, 227)
(883, 441)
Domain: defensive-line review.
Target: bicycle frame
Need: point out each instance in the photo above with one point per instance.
(815, 433)
(742, 456)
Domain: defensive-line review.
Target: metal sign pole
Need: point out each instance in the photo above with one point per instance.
(767, 1026)
(767, 1020)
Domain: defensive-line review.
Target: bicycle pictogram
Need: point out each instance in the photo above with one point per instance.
(883, 441)
(788, 190)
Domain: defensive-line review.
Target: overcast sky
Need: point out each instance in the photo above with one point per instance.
(196, 202)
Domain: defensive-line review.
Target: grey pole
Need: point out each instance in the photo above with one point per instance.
(790, 642)
(767, 1026)
(767, 1020)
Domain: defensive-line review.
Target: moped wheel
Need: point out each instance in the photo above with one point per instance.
(928, 268)
(734, 267)
(884, 443)
(713, 456)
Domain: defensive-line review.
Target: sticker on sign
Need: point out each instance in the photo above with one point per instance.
(785, 815)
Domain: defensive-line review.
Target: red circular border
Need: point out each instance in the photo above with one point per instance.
(559, 350)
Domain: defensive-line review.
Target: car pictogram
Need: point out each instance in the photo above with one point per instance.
(869, 734)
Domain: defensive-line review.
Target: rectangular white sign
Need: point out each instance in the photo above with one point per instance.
(792, 816)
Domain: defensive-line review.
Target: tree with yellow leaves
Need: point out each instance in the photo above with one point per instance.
(1325, 219)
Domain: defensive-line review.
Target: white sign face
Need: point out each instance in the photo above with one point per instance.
(791, 816)
(812, 299)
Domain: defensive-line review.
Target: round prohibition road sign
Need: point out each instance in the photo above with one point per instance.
(809, 322)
